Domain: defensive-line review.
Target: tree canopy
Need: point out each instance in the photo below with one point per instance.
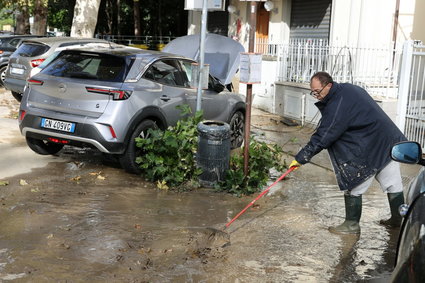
(152, 17)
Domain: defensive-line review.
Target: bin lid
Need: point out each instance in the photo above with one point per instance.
(214, 130)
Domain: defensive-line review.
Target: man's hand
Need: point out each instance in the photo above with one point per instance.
(295, 164)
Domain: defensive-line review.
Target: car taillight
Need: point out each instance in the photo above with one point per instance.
(35, 82)
(115, 93)
(1, 51)
(55, 140)
(36, 62)
(22, 115)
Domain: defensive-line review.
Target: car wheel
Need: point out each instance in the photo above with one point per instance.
(2, 75)
(128, 159)
(237, 125)
(17, 96)
(43, 147)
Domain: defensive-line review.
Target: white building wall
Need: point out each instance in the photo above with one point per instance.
(370, 22)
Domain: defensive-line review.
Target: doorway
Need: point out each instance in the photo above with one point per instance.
(262, 29)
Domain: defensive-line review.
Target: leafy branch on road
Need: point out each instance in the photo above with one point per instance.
(168, 158)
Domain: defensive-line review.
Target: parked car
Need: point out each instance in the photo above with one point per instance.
(31, 53)
(105, 98)
(8, 45)
(410, 256)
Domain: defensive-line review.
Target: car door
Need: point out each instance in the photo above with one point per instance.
(174, 88)
(213, 105)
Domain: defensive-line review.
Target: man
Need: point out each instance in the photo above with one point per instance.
(358, 136)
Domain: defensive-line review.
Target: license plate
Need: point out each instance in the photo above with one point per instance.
(57, 125)
(17, 71)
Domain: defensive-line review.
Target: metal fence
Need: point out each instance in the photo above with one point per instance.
(373, 68)
(412, 92)
(145, 42)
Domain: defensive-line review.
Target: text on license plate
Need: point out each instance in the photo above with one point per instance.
(17, 71)
(57, 125)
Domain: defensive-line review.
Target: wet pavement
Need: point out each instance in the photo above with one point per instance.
(77, 217)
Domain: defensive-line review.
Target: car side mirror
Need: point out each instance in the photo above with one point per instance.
(407, 152)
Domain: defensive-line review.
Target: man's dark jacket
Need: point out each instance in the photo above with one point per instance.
(356, 132)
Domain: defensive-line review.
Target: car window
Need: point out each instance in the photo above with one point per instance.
(4, 42)
(31, 49)
(187, 69)
(14, 42)
(93, 66)
(167, 72)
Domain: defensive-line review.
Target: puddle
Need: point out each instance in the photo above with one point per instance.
(63, 228)
(85, 219)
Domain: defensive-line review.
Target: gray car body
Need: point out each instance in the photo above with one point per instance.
(8, 45)
(66, 99)
(16, 82)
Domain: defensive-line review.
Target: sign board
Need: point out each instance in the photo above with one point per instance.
(212, 5)
(198, 73)
(250, 68)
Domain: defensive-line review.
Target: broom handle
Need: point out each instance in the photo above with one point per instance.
(260, 195)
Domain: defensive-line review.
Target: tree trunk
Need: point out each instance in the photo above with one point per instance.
(118, 17)
(137, 27)
(22, 22)
(85, 18)
(40, 17)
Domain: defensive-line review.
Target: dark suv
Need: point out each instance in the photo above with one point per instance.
(8, 45)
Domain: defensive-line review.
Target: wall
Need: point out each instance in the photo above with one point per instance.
(418, 31)
(370, 22)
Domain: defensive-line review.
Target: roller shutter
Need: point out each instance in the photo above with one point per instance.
(310, 19)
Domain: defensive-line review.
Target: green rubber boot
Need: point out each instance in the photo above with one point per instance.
(395, 200)
(353, 212)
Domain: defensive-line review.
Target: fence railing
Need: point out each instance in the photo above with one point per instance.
(146, 42)
(373, 68)
(411, 106)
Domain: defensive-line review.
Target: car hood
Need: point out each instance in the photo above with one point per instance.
(221, 53)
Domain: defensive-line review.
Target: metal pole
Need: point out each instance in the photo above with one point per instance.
(253, 25)
(395, 27)
(201, 55)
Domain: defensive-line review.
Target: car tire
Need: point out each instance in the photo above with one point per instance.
(17, 96)
(237, 128)
(43, 147)
(2, 75)
(128, 159)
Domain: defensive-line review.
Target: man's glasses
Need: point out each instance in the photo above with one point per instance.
(315, 93)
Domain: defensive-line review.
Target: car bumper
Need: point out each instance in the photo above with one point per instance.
(85, 135)
(15, 85)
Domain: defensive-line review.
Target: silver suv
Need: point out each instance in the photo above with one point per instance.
(31, 53)
(105, 98)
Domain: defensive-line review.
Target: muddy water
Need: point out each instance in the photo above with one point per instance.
(84, 220)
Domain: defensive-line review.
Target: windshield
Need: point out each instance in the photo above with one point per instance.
(30, 49)
(88, 66)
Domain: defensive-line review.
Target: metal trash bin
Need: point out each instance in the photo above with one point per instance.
(213, 154)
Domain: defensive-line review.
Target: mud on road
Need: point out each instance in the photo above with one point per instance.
(78, 217)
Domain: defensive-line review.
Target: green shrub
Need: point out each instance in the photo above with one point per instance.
(262, 158)
(168, 158)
